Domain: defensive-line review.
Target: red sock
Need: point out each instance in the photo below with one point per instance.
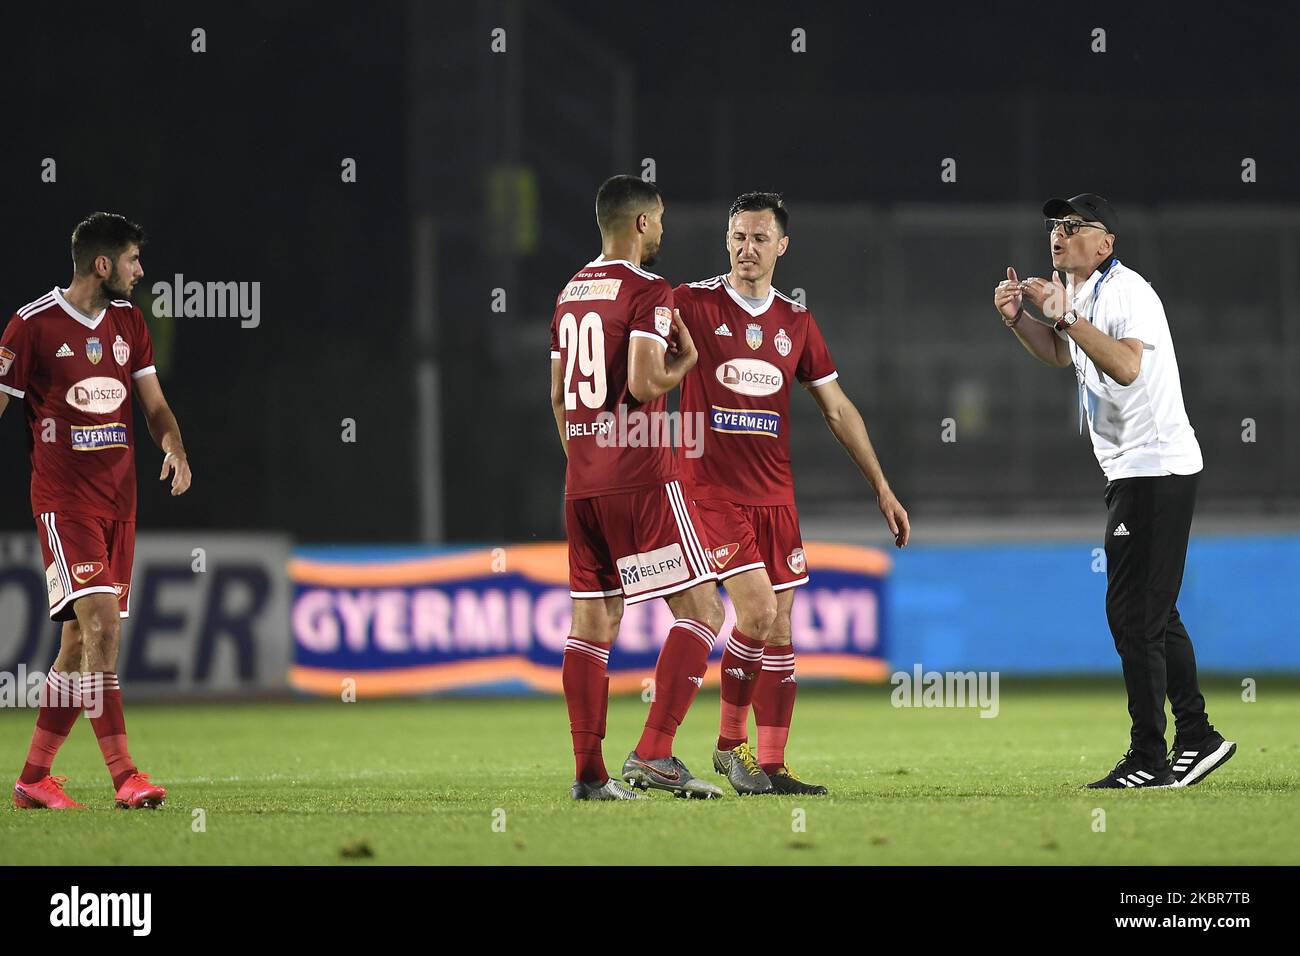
(742, 660)
(60, 707)
(774, 705)
(100, 692)
(678, 678)
(586, 692)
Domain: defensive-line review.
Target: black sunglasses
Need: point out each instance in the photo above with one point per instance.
(1069, 226)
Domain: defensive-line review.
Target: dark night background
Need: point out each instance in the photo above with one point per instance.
(231, 160)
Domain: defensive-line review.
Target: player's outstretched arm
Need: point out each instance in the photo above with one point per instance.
(846, 424)
(653, 369)
(165, 431)
(557, 402)
(4, 402)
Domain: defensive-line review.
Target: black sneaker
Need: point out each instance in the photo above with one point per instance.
(740, 767)
(1193, 763)
(786, 781)
(1130, 773)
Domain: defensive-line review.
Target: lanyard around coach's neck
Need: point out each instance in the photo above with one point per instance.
(1092, 308)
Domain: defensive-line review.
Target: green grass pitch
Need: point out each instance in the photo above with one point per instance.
(375, 782)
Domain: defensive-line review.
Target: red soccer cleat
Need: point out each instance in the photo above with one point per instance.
(137, 793)
(45, 794)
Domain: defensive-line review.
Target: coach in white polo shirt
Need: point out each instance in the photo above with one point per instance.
(1108, 324)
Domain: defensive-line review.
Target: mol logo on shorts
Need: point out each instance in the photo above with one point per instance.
(720, 556)
(86, 570)
(652, 570)
(798, 563)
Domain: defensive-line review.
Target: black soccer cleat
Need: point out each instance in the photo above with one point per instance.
(740, 767)
(1193, 763)
(786, 781)
(1129, 773)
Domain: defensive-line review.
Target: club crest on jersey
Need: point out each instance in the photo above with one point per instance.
(6, 360)
(663, 320)
(94, 350)
(754, 335)
(122, 350)
(798, 563)
(720, 556)
(86, 570)
(782, 342)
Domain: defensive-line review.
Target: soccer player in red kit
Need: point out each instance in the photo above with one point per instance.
(753, 342)
(74, 356)
(617, 349)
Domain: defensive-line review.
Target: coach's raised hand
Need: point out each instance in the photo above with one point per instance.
(1050, 298)
(1007, 298)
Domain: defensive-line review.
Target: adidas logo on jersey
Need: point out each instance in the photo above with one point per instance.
(723, 329)
(1120, 532)
(64, 351)
(697, 681)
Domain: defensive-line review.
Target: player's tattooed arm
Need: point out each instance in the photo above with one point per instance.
(557, 402)
(166, 433)
(654, 369)
(846, 424)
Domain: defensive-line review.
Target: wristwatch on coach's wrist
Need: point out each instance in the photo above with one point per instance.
(1065, 321)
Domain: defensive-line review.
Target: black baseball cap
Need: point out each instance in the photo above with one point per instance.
(1090, 206)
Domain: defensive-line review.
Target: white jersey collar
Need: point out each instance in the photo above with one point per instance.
(76, 313)
(739, 299)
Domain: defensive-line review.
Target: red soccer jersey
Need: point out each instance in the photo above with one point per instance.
(75, 373)
(748, 358)
(600, 311)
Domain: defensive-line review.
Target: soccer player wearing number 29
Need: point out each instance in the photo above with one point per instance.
(617, 349)
(753, 341)
(73, 357)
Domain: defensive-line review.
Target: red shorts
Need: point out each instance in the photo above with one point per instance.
(642, 545)
(85, 555)
(746, 537)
